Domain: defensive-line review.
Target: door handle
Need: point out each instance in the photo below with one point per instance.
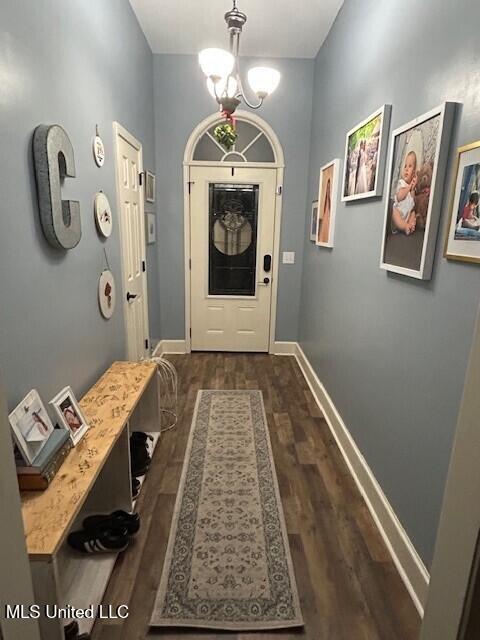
(265, 282)
(131, 296)
(267, 262)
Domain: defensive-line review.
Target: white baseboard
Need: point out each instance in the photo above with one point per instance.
(409, 564)
(170, 346)
(284, 348)
(179, 346)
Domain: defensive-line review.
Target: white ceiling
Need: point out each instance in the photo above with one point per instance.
(274, 28)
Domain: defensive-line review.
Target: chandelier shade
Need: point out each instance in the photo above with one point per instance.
(216, 63)
(222, 69)
(263, 80)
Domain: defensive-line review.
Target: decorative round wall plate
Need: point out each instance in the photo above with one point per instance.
(106, 294)
(103, 214)
(98, 151)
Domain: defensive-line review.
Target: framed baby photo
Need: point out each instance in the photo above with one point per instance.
(313, 221)
(365, 154)
(327, 203)
(69, 414)
(31, 426)
(463, 231)
(416, 175)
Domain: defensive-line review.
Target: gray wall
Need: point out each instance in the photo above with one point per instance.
(76, 63)
(181, 102)
(392, 351)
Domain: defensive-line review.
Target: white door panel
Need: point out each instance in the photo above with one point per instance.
(132, 234)
(232, 220)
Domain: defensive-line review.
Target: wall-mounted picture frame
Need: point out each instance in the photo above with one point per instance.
(98, 151)
(365, 156)
(151, 228)
(418, 159)
(327, 203)
(462, 240)
(313, 221)
(106, 294)
(31, 426)
(149, 186)
(103, 214)
(70, 414)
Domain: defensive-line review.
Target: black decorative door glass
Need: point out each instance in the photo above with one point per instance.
(232, 239)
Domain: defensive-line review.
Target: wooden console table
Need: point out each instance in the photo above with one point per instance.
(94, 478)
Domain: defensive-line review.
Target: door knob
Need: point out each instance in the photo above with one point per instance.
(266, 281)
(131, 296)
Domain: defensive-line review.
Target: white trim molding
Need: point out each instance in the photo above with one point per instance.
(285, 348)
(407, 561)
(169, 346)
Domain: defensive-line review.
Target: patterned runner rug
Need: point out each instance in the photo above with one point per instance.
(228, 564)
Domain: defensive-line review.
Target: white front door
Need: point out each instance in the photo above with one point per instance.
(232, 221)
(132, 236)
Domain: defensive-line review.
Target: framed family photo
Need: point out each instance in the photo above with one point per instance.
(365, 153)
(31, 426)
(327, 203)
(313, 221)
(418, 159)
(463, 231)
(69, 414)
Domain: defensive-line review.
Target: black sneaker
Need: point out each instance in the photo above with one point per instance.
(139, 461)
(99, 541)
(136, 484)
(140, 441)
(140, 436)
(116, 521)
(72, 632)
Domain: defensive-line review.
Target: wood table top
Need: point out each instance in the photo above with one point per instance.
(107, 407)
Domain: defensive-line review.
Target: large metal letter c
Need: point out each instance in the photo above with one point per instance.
(54, 159)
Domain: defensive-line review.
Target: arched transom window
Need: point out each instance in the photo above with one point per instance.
(252, 145)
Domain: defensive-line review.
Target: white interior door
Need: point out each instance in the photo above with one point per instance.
(132, 236)
(232, 221)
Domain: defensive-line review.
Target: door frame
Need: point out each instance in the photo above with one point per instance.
(120, 132)
(278, 165)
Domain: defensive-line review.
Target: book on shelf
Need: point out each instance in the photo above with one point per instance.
(39, 475)
(56, 440)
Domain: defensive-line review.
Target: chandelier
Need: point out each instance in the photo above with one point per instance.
(222, 70)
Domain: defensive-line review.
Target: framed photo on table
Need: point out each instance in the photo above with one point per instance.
(31, 426)
(70, 414)
(365, 154)
(327, 203)
(463, 231)
(418, 159)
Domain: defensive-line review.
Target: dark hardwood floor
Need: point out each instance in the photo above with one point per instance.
(349, 587)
